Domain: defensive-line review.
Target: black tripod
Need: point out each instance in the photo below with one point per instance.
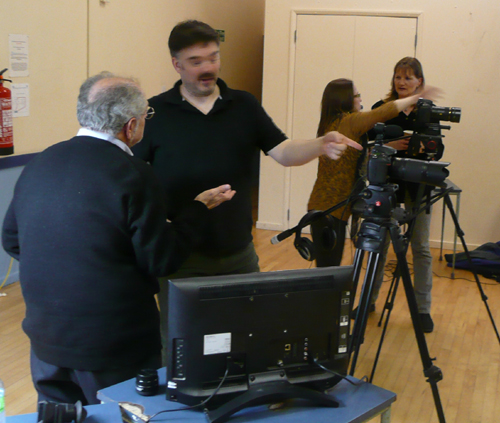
(382, 218)
(378, 224)
(377, 208)
(409, 219)
(389, 304)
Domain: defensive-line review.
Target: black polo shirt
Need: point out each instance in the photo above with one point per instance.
(192, 152)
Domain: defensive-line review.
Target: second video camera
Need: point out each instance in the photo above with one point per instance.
(427, 138)
(383, 163)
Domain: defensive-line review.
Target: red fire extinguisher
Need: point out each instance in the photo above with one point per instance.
(6, 135)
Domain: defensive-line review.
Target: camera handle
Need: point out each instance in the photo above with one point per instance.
(303, 223)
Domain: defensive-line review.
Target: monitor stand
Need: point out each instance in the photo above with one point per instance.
(268, 392)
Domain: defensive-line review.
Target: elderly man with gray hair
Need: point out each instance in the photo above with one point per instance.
(88, 225)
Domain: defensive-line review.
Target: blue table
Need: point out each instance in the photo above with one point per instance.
(357, 404)
(102, 413)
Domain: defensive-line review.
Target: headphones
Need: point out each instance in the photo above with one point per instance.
(52, 412)
(327, 236)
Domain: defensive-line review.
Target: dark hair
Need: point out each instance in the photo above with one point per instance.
(338, 99)
(188, 33)
(411, 65)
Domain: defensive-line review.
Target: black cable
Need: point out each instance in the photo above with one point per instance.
(464, 279)
(352, 193)
(364, 379)
(193, 406)
(391, 267)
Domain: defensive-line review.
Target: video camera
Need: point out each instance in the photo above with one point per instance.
(427, 138)
(383, 164)
(378, 199)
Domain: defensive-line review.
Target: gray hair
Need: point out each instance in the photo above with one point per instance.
(108, 108)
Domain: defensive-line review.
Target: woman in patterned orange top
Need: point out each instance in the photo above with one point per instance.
(337, 180)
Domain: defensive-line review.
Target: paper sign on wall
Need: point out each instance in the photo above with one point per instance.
(20, 100)
(19, 56)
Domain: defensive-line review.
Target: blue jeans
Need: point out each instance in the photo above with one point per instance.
(422, 261)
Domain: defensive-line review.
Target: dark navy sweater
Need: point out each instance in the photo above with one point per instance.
(88, 225)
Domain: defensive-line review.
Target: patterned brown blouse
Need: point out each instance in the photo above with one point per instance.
(336, 178)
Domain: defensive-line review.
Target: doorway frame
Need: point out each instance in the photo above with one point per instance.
(294, 16)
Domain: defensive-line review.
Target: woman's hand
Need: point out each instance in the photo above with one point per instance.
(400, 145)
(430, 93)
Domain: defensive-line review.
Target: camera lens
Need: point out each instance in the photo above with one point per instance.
(51, 412)
(146, 382)
(429, 172)
(448, 114)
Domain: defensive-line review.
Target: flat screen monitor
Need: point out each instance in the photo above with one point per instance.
(262, 334)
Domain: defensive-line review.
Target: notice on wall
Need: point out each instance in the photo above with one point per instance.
(19, 55)
(20, 100)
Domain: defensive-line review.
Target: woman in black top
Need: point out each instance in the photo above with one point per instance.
(408, 79)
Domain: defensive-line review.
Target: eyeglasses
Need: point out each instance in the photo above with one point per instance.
(358, 95)
(150, 113)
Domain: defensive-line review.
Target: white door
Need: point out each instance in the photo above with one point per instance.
(362, 48)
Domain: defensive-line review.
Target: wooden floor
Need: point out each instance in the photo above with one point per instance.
(464, 344)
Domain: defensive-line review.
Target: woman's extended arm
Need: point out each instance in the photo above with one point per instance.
(428, 92)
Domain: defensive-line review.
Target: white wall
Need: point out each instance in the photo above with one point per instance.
(70, 40)
(122, 43)
(459, 47)
(57, 66)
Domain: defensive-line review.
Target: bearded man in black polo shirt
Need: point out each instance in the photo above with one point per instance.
(205, 133)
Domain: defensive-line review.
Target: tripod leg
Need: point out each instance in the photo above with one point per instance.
(354, 343)
(442, 233)
(380, 278)
(371, 237)
(391, 297)
(432, 372)
(460, 233)
(357, 336)
(389, 304)
(358, 260)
